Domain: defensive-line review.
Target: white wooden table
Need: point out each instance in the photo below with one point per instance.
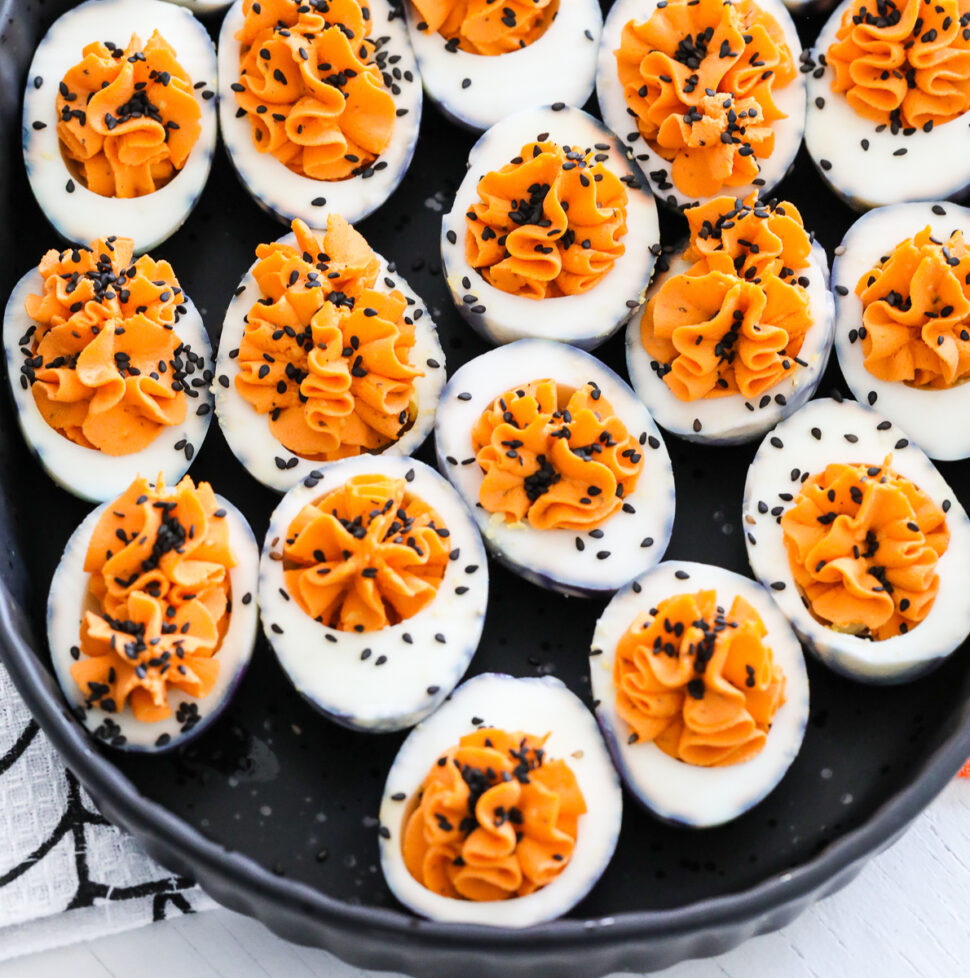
(906, 916)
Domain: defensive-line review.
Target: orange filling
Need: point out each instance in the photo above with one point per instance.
(916, 311)
(560, 458)
(127, 119)
(549, 223)
(312, 84)
(107, 367)
(367, 555)
(495, 818)
(736, 319)
(699, 683)
(484, 26)
(700, 77)
(159, 600)
(863, 544)
(325, 354)
(904, 63)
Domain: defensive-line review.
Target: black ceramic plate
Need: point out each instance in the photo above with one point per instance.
(273, 810)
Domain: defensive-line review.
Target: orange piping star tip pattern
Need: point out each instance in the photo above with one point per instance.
(494, 819)
(863, 545)
(700, 684)
(102, 326)
(366, 555)
(700, 77)
(916, 311)
(557, 458)
(326, 355)
(127, 119)
(311, 83)
(484, 26)
(904, 63)
(160, 597)
(549, 223)
(735, 320)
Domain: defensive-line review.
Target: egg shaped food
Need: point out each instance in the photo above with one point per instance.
(151, 616)
(480, 62)
(707, 95)
(902, 306)
(502, 808)
(325, 353)
(888, 102)
(737, 329)
(860, 541)
(701, 690)
(552, 234)
(319, 106)
(120, 120)
(109, 365)
(373, 587)
(566, 473)
(203, 6)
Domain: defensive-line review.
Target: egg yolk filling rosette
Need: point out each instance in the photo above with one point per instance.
(735, 320)
(555, 458)
(127, 118)
(863, 544)
(106, 366)
(916, 313)
(697, 681)
(549, 223)
(159, 567)
(495, 818)
(312, 85)
(904, 64)
(326, 353)
(484, 27)
(366, 555)
(700, 77)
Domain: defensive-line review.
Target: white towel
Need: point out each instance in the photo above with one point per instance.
(66, 875)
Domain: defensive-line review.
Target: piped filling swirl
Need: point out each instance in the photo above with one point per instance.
(485, 26)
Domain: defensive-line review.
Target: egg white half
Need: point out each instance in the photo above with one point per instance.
(790, 99)
(733, 419)
(78, 214)
(477, 90)
(87, 472)
(389, 679)
(860, 163)
(248, 432)
(581, 563)
(586, 319)
(69, 598)
(287, 195)
(824, 432)
(936, 419)
(673, 790)
(536, 705)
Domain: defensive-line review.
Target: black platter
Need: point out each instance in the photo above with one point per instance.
(273, 811)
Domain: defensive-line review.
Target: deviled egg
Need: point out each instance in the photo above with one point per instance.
(551, 234)
(480, 62)
(502, 807)
(902, 303)
(109, 366)
(151, 617)
(706, 94)
(119, 122)
(700, 687)
(373, 585)
(203, 6)
(860, 541)
(889, 96)
(568, 476)
(736, 330)
(320, 104)
(325, 353)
